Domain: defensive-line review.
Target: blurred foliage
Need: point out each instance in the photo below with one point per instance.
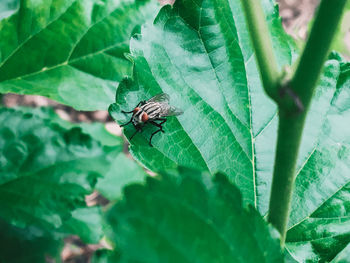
(186, 216)
(342, 39)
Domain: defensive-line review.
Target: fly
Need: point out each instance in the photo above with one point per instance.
(151, 111)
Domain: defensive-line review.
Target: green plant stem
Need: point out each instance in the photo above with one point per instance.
(317, 48)
(291, 122)
(293, 97)
(260, 37)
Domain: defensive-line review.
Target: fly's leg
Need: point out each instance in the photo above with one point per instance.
(127, 112)
(159, 125)
(138, 129)
(139, 104)
(133, 134)
(126, 123)
(150, 139)
(163, 120)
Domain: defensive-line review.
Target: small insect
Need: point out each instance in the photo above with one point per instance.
(151, 111)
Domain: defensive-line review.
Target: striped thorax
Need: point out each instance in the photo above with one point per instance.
(150, 110)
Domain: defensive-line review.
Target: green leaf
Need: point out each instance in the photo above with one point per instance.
(104, 256)
(96, 130)
(217, 85)
(8, 7)
(199, 53)
(122, 172)
(186, 217)
(47, 167)
(27, 245)
(343, 256)
(319, 222)
(46, 171)
(70, 51)
(87, 223)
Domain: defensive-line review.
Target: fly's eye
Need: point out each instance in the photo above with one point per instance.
(144, 117)
(136, 110)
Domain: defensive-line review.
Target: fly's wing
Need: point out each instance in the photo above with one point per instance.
(167, 110)
(162, 100)
(162, 97)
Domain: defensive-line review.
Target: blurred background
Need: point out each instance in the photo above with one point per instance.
(296, 17)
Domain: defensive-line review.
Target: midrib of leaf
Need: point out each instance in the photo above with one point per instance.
(253, 149)
(219, 84)
(236, 38)
(31, 36)
(67, 61)
(217, 9)
(212, 65)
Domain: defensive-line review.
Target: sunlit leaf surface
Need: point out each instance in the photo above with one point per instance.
(70, 51)
(199, 53)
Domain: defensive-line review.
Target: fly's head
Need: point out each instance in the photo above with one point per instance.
(139, 117)
(136, 110)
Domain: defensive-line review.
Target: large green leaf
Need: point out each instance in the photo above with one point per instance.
(319, 222)
(209, 71)
(70, 51)
(204, 61)
(188, 217)
(199, 53)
